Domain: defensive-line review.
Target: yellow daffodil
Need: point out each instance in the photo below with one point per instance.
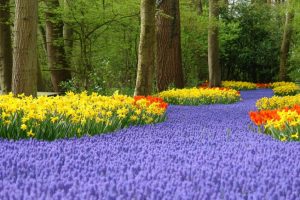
(23, 127)
(295, 136)
(54, 119)
(30, 133)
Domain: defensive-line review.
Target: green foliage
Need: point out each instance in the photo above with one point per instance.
(250, 43)
(105, 42)
(106, 36)
(294, 69)
(194, 29)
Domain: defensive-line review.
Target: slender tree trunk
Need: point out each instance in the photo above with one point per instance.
(285, 45)
(60, 70)
(40, 82)
(169, 61)
(5, 48)
(42, 32)
(213, 45)
(199, 6)
(146, 60)
(68, 34)
(25, 48)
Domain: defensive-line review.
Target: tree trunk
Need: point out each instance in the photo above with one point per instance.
(179, 77)
(199, 6)
(285, 45)
(60, 70)
(68, 34)
(146, 57)
(213, 45)
(25, 48)
(42, 32)
(169, 61)
(40, 82)
(5, 48)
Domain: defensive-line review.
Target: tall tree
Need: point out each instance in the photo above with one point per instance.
(60, 70)
(198, 5)
(5, 47)
(169, 59)
(25, 48)
(213, 45)
(68, 32)
(146, 55)
(285, 44)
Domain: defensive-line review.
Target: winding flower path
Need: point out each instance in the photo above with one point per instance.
(204, 152)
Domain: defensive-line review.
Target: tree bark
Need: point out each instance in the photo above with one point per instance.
(60, 70)
(213, 45)
(42, 32)
(169, 60)
(285, 45)
(179, 77)
(68, 34)
(40, 81)
(146, 56)
(199, 7)
(25, 48)
(5, 48)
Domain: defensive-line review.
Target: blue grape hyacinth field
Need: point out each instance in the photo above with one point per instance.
(199, 152)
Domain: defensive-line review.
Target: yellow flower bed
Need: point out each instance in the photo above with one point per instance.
(277, 102)
(196, 96)
(285, 88)
(73, 115)
(281, 83)
(239, 85)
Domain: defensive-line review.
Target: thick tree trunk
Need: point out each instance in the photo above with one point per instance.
(146, 57)
(213, 45)
(60, 70)
(5, 48)
(285, 45)
(25, 48)
(169, 61)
